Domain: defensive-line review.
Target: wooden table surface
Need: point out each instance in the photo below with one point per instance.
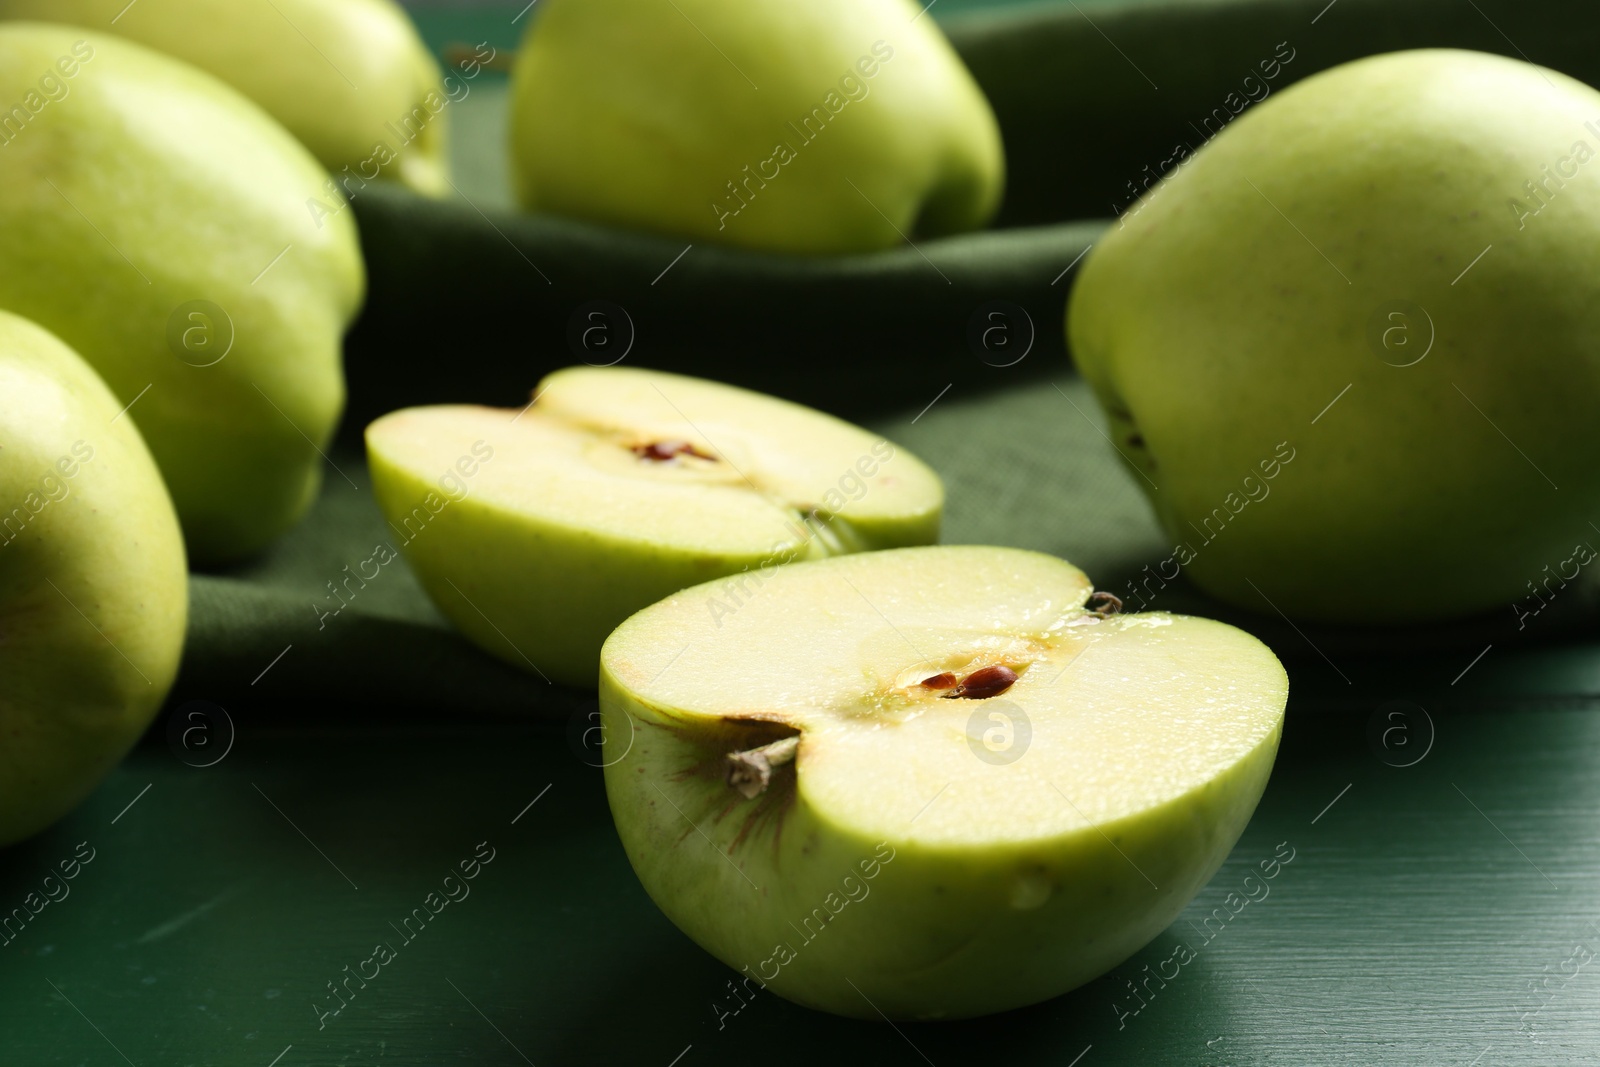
(1443, 912)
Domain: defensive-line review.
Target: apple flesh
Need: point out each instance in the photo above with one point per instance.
(156, 221)
(863, 127)
(334, 72)
(538, 531)
(93, 582)
(930, 782)
(1389, 274)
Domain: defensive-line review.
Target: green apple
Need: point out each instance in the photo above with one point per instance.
(827, 126)
(930, 783)
(1351, 348)
(93, 584)
(336, 73)
(538, 531)
(158, 222)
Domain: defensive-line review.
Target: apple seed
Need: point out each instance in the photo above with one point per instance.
(984, 682)
(940, 681)
(662, 451)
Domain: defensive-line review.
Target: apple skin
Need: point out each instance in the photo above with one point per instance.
(945, 930)
(585, 582)
(206, 193)
(624, 114)
(1213, 333)
(945, 940)
(293, 58)
(74, 700)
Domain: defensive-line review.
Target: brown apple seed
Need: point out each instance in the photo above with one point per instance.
(940, 681)
(984, 682)
(662, 451)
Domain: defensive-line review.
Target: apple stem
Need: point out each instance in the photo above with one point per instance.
(1108, 604)
(750, 772)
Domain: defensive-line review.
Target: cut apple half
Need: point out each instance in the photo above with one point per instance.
(1036, 784)
(537, 531)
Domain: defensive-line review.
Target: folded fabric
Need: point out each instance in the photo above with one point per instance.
(1097, 102)
(466, 305)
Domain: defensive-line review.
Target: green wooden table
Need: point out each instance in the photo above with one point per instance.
(1441, 912)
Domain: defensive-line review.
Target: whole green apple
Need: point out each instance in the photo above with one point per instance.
(158, 222)
(537, 531)
(1351, 349)
(93, 584)
(826, 126)
(344, 76)
(930, 782)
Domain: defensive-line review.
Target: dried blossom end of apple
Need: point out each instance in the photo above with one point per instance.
(984, 682)
(1104, 604)
(750, 772)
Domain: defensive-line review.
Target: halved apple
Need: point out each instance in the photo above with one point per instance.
(933, 782)
(538, 531)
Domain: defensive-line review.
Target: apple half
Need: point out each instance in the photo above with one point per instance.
(934, 782)
(537, 531)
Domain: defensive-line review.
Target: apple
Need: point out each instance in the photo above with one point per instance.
(93, 583)
(538, 531)
(930, 783)
(169, 231)
(1349, 348)
(829, 126)
(336, 73)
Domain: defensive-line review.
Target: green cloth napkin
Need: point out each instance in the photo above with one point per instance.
(472, 302)
(1095, 100)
